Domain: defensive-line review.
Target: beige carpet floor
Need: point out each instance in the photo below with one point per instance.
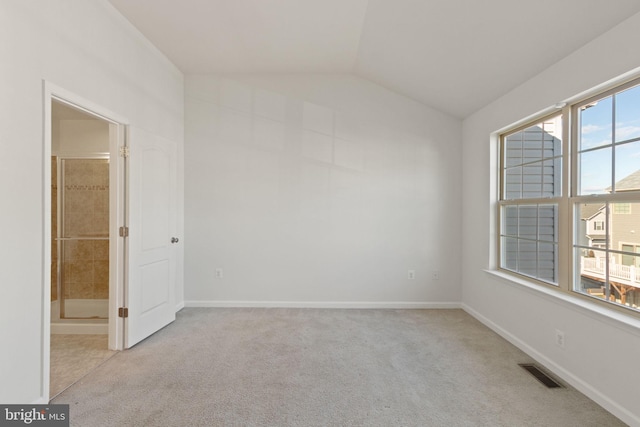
(313, 367)
(74, 356)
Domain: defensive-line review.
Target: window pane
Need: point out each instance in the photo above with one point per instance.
(590, 225)
(528, 222)
(513, 183)
(529, 241)
(625, 226)
(534, 143)
(610, 272)
(547, 261)
(628, 114)
(591, 272)
(513, 150)
(595, 171)
(532, 161)
(595, 124)
(510, 221)
(624, 281)
(534, 222)
(533, 180)
(510, 253)
(547, 223)
(628, 166)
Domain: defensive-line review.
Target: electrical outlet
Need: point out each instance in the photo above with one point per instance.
(435, 275)
(219, 274)
(559, 338)
(411, 274)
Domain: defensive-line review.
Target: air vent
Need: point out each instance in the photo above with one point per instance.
(540, 376)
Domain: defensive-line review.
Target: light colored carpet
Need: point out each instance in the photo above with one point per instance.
(74, 356)
(314, 367)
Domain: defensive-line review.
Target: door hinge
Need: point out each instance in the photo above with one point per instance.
(124, 231)
(124, 151)
(123, 312)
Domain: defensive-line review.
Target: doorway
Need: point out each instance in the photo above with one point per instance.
(86, 178)
(80, 242)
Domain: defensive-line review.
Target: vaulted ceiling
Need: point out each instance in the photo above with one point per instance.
(453, 55)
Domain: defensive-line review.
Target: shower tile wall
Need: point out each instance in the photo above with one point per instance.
(85, 270)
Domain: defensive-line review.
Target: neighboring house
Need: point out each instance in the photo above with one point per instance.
(594, 225)
(624, 223)
(624, 231)
(625, 217)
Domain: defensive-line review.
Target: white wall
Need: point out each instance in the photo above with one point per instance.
(88, 49)
(79, 137)
(601, 354)
(318, 190)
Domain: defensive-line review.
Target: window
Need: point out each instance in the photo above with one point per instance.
(600, 202)
(531, 186)
(629, 259)
(622, 208)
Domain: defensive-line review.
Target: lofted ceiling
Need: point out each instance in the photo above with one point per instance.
(453, 55)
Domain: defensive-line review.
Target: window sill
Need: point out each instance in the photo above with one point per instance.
(628, 322)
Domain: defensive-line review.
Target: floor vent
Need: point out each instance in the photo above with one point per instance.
(540, 376)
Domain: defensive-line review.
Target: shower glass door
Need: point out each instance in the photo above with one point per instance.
(83, 238)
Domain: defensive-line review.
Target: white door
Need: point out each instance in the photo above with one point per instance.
(150, 294)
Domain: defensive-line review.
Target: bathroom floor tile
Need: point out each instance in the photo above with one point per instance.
(74, 356)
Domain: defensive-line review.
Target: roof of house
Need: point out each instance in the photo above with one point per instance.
(588, 211)
(630, 182)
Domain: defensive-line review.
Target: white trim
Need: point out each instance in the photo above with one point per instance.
(80, 103)
(567, 376)
(179, 306)
(627, 323)
(45, 338)
(325, 304)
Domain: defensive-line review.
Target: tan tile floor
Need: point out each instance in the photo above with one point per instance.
(74, 356)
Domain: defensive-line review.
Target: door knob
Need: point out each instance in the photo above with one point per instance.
(174, 240)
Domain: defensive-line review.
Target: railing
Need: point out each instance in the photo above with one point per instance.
(623, 274)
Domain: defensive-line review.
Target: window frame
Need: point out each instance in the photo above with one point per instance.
(569, 198)
(502, 202)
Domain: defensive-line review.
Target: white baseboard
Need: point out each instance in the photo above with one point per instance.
(324, 304)
(576, 382)
(179, 306)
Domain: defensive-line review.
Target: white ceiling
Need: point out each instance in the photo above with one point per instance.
(453, 55)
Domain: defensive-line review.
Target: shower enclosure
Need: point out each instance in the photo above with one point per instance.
(80, 252)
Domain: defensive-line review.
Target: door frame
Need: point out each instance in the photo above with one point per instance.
(118, 214)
